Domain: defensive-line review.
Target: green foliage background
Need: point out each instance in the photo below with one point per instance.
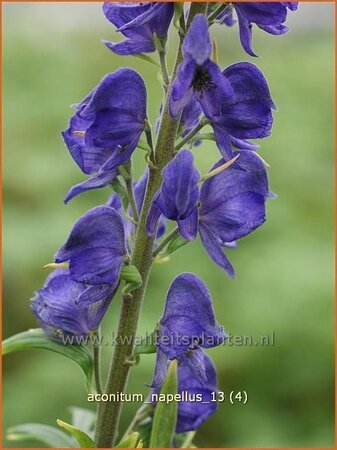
(284, 282)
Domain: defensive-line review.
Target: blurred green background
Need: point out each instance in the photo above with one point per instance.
(284, 283)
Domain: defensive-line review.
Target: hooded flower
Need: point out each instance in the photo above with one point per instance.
(245, 115)
(237, 101)
(64, 307)
(269, 16)
(106, 128)
(178, 196)
(139, 23)
(95, 248)
(232, 205)
(188, 323)
(198, 76)
(191, 412)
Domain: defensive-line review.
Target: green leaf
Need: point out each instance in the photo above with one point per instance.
(178, 12)
(132, 278)
(165, 415)
(82, 438)
(84, 419)
(147, 345)
(37, 339)
(50, 436)
(131, 441)
(147, 58)
(184, 440)
(176, 243)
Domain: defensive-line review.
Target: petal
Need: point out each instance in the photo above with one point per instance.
(190, 116)
(197, 43)
(122, 91)
(160, 370)
(214, 249)
(248, 84)
(245, 30)
(191, 414)
(96, 247)
(98, 265)
(95, 182)
(189, 227)
(181, 93)
(131, 46)
(120, 155)
(153, 218)
(89, 159)
(194, 360)
(188, 319)
(179, 190)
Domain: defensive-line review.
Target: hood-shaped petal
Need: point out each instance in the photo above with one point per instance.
(117, 109)
(197, 42)
(96, 247)
(179, 192)
(188, 320)
(60, 311)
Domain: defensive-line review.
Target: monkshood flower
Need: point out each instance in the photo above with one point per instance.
(140, 23)
(95, 248)
(65, 307)
(187, 325)
(237, 101)
(232, 205)
(191, 411)
(269, 16)
(178, 196)
(106, 128)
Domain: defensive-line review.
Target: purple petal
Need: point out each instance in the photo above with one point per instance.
(188, 320)
(214, 249)
(96, 247)
(95, 182)
(179, 192)
(189, 227)
(131, 46)
(197, 43)
(153, 218)
(181, 93)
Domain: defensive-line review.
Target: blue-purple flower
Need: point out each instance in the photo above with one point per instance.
(187, 325)
(232, 205)
(95, 248)
(140, 23)
(65, 307)
(106, 128)
(197, 403)
(237, 101)
(178, 196)
(269, 16)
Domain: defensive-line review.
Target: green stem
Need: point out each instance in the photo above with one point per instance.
(164, 71)
(165, 241)
(219, 10)
(192, 133)
(109, 412)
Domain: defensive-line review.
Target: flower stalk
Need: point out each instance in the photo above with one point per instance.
(109, 413)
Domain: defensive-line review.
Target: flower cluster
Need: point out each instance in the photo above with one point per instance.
(222, 206)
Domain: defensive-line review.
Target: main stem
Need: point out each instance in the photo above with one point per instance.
(109, 412)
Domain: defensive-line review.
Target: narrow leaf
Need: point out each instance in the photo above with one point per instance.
(178, 12)
(82, 438)
(174, 245)
(147, 58)
(131, 441)
(37, 339)
(50, 436)
(147, 345)
(165, 415)
(132, 277)
(84, 419)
